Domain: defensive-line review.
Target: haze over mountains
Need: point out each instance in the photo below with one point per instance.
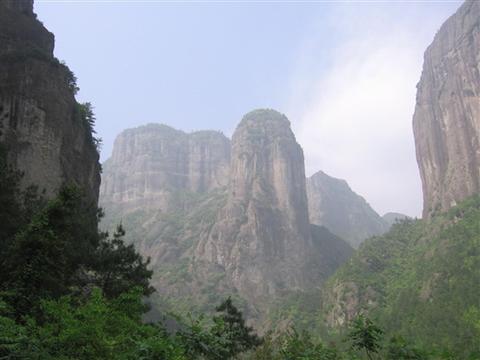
(234, 215)
(237, 217)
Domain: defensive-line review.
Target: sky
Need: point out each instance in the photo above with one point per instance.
(344, 73)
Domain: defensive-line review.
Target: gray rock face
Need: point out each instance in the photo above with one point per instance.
(447, 116)
(39, 120)
(333, 204)
(218, 217)
(262, 238)
(152, 163)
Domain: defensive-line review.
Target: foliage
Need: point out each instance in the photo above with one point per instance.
(226, 337)
(230, 326)
(87, 117)
(119, 267)
(365, 335)
(420, 280)
(93, 329)
(291, 345)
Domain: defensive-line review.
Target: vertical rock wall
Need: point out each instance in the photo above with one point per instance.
(447, 115)
(40, 121)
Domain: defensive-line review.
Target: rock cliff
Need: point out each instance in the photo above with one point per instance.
(262, 238)
(333, 204)
(152, 163)
(446, 122)
(41, 124)
(217, 217)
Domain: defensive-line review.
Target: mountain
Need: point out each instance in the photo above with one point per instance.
(446, 121)
(220, 219)
(333, 204)
(151, 164)
(46, 132)
(421, 279)
(262, 237)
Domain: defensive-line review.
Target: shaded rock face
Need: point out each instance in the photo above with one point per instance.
(333, 204)
(262, 238)
(152, 163)
(40, 124)
(446, 122)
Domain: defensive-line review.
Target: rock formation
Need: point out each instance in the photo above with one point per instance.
(262, 238)
(447, 115)
(40, 122)
(333, 204)
(151, 164)
(220, 218)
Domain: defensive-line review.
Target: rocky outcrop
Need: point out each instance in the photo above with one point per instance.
(333, 204)
(41, 124)
(220, 218)
(262, 238)
(447, 115)
(151, 164)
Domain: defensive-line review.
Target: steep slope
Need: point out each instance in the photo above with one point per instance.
(333, 204)
(262, 238)
(151, 164)
(44, 129)
(214, 230)
(420, 280)
(447, 115)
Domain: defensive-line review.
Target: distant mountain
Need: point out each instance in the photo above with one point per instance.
(217, 217)
(333, 204)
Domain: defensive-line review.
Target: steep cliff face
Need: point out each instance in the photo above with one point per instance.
(333, 204)
(151, 164)
(41, 124)
(217, 217)
(262, 238)
(447, 116)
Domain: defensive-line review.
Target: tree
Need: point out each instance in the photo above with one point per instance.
(365, 335)
(399, 349)
(230, 326)
(120, 267)
(60, 252)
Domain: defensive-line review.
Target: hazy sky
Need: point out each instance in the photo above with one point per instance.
(343, 72)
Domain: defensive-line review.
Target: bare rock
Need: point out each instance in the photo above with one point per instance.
(333, 204)
(446, 122)
(40, 123)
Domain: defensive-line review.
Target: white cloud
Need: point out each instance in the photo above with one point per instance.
(353, 117)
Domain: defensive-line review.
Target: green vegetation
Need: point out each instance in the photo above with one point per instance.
(68, 291)
(86, 115)
(420, 281)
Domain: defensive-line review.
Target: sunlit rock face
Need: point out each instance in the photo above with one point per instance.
(151, 164)
(333, 204)
(262, 237)
(447, 115)
(39, 120)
